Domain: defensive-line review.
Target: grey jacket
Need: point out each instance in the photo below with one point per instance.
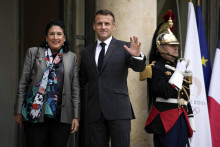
(34, 66)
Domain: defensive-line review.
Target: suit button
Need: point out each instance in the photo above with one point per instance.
(63, 105)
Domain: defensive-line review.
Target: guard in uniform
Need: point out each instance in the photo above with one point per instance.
(171, 118)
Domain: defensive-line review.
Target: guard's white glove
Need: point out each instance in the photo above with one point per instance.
(179, 73)
(181, 66)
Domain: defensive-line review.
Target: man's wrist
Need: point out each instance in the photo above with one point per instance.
(140, 57)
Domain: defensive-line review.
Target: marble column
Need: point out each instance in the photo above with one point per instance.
(135, 17)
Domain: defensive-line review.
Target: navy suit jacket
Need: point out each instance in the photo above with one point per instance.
(107, 91)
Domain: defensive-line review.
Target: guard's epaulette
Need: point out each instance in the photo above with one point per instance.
(147, 73)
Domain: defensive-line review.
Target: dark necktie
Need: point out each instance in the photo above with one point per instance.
(101, 56)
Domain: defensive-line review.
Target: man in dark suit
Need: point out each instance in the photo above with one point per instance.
(104, 67)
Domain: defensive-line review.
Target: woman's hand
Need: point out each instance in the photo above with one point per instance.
(18, 119)
(74, 126)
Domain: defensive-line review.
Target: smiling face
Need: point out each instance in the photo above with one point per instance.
(172, 49)
(55, 38)
(103, 26)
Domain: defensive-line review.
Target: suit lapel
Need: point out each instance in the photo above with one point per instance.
(65, 62)
(40, 58)
(92, 55)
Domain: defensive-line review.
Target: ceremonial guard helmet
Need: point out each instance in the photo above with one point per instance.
(165, 35)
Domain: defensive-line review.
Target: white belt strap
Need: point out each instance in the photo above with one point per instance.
(169, 100)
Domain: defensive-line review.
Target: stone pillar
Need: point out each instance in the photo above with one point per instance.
(135, 17)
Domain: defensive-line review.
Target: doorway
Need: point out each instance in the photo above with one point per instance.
(77, 16)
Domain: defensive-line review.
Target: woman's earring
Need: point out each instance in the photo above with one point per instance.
(46, 45)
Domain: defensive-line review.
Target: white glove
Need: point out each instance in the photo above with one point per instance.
(177, 77)
(181, 66)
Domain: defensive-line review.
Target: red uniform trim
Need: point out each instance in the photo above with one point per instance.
(169, 118)
(190, 131)
(153, 113)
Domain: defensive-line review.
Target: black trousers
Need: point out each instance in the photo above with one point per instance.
(104, 131)
(50, 133)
